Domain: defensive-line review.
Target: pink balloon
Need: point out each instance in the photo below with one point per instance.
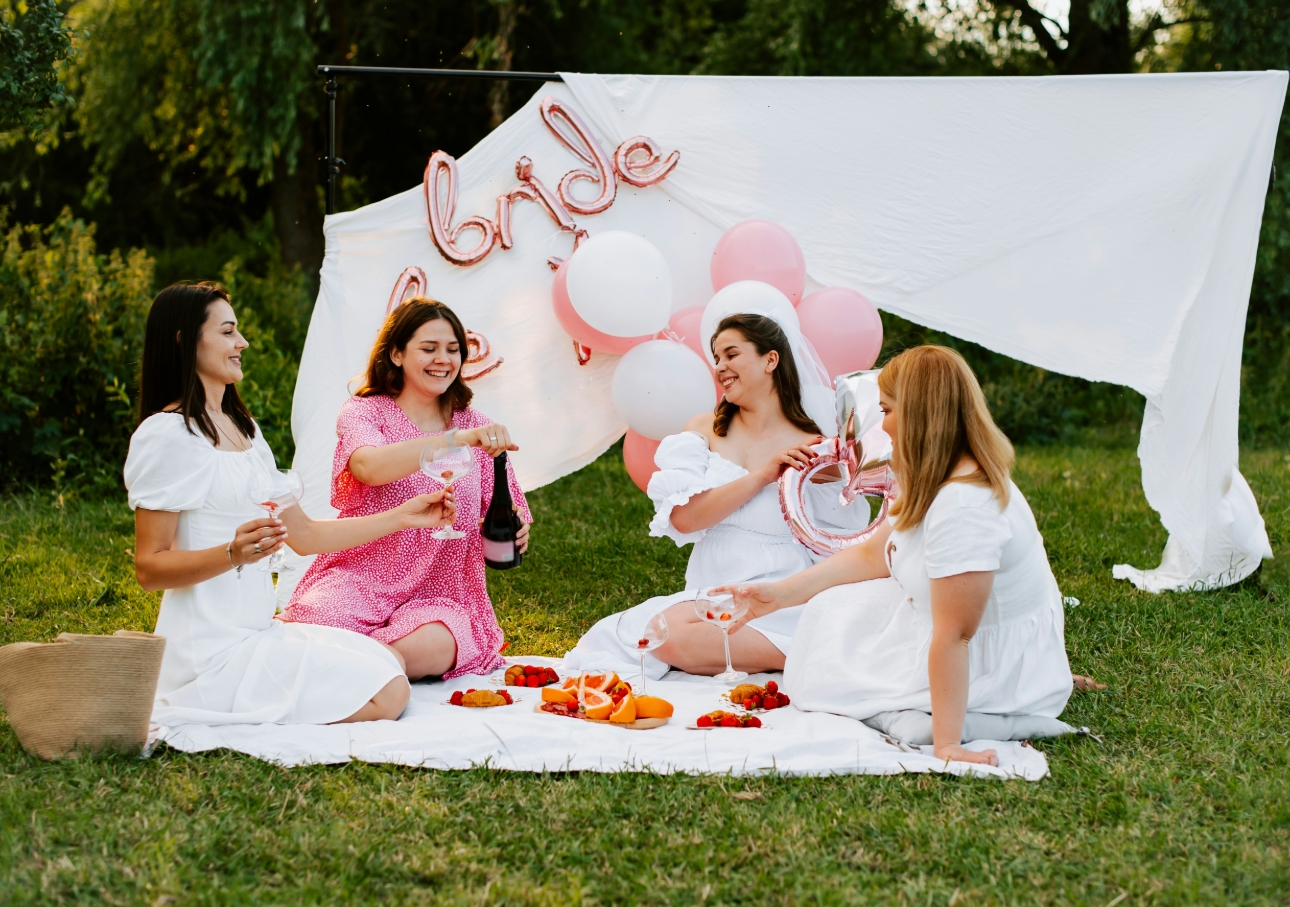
(684, 323)
(844, 327)
(760, 250)
(578, 329)
(638, 457)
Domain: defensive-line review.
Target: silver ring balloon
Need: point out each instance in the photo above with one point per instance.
(861, 451)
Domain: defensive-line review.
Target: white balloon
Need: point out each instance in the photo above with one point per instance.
(620, 284)
(745, 297)
(659, 386)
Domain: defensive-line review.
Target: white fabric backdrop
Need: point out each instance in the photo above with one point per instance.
(1100, 226)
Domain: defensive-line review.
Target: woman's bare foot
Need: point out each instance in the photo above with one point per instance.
(962, 754)
(1086, 683)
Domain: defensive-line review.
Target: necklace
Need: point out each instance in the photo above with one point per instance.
(219, 428)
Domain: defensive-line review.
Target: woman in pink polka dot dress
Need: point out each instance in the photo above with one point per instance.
(425, 598)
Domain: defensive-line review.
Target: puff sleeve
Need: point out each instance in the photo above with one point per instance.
(168, 468)
(965, 531)
(685, 468)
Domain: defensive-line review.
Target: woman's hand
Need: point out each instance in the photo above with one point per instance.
(762, 599)
(256, 540)
(957, 753)
(795, 457)
(492, 439)
(428, 511)
(521, 536)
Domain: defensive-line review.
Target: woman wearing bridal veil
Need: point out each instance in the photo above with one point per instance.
(717, 486)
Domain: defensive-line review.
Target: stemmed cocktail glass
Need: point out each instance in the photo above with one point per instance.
(447, 465)
(646, 640)
(274, 490)
(721, 609)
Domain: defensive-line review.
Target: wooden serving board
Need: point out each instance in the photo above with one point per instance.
(640, 724)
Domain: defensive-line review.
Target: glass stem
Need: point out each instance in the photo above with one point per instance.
(642, 673)
(725, 637)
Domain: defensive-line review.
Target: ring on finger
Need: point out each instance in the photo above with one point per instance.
(257, 548)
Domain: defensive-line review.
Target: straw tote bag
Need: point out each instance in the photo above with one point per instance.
(81, 692)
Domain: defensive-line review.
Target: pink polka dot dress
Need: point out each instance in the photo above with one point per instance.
(390, 587)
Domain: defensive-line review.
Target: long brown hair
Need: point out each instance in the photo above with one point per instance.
(168, 372)
(384, 377)
(941, 417)
(765, 335)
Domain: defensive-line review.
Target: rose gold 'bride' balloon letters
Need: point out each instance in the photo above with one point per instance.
(638, 161)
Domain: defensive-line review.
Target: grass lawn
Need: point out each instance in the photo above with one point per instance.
(1187, 801)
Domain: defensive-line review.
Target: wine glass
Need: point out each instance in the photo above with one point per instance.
(721, 609)
(273, 491)
(647, 640)
(446, 465)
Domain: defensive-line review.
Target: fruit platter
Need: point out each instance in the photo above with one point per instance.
(535, 676)
(604, 698)
(719, 718)
(480, 699)
(753, 698)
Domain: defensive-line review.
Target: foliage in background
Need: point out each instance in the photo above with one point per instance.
(34, 39)
(71, 327)
(71, 333)
(192, 126)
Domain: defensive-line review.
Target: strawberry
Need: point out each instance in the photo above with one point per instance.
(749, 704)
(455, 699)
(470, 690)
(772, 687)
(782, 698)
(752, 721)
(703, 721)
(730, 721)
(534, 681)
(770, 702)
(530, 670)
(507, 696)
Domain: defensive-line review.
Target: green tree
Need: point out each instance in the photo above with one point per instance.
(225, 87)
(34, 39)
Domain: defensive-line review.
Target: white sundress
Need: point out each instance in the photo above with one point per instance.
(227, 661)
(862, 648)
(753, 544)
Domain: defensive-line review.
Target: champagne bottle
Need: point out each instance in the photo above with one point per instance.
(501, 523)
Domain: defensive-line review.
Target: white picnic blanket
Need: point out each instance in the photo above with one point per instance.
(433, 734)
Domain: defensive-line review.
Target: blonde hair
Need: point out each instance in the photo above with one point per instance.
(941, 417)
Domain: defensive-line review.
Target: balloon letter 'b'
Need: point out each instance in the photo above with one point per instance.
(442, 205)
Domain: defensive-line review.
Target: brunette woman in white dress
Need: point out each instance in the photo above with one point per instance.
(198, 537)
(951, 607)
(716, 486)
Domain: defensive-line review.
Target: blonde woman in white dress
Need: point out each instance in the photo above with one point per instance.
(200, 535)
(951, 607)
(717, 487)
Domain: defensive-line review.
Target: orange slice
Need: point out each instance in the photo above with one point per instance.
(653, 707)
(570, 683)
(626, 711)
(551, 694)
(598, 705)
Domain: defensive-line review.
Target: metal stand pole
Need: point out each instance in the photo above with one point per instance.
(333, 162)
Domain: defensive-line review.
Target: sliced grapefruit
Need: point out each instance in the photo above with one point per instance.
(598, 705)
(626, 711)
(551, 694)
(653, 707)
(601, 682)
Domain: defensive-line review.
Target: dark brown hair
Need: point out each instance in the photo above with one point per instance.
(384, 377)
(168, 373)
(765, 335)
